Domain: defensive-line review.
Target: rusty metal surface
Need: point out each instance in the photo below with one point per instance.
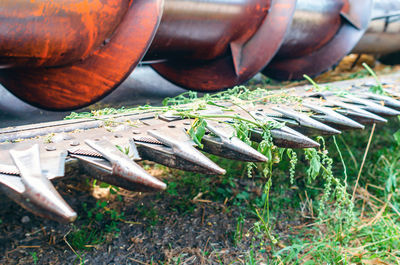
(54, 33)
(197, 44)
(31, 156)
(90, 79)
(311, 49)
(244, 55)
(203, 30)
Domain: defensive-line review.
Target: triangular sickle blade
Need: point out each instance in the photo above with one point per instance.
(230, 146)
(332, 116)
(306, 121)
(39, 195)
(372, 106)
(182, 148)
(123, 171)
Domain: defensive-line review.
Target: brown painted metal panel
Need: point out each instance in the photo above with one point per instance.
(246, 57)
(355, 15)
(82, 83)
(54, 33)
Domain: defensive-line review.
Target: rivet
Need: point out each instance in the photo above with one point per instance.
(50, 148)
(74, 143)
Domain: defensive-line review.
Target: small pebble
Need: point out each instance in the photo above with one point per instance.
(136, 132)
(171, 126)
(25, 219)
(118, 136)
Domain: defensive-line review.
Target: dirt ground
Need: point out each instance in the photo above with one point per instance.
(155, 229)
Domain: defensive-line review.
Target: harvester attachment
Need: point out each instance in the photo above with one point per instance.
(108, 148)
(58, 57)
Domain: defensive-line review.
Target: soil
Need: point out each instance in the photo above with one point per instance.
(153, 230)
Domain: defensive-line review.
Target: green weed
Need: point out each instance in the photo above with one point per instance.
(35, 258)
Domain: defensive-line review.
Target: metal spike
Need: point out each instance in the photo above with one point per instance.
(283, 136)
(289, 138)
(164, 155)
(306, 121)
(332, 116)
(229, 146)
(359, 114)
(182, 148)
(388, 101)
(392, 92)
(373, 107)
(39, 195)
(123, 171)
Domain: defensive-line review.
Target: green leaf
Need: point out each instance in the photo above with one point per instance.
(391, 183)
(197, 131)
(396, 136)
(104, 185)
(378, 88)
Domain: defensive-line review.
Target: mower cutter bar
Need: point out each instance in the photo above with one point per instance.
(108, 148)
